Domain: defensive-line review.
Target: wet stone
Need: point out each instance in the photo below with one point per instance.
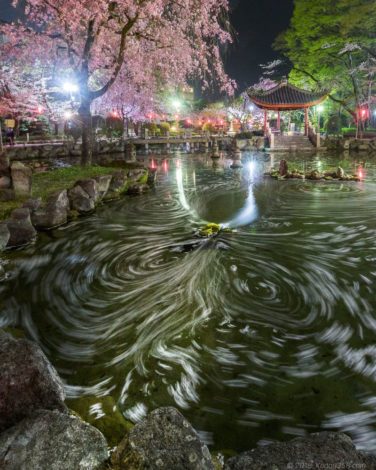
(28, 381)
(51, 440)
(163, 440)
(319, 450)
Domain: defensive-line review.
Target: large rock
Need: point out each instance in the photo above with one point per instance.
(50, 440)
(137, 188)
(28, 381)
(80, 200)
(54, 213)
(33, 204)
(90, 186)
(164, 440)
(137, 174)
(4, 236)
(119, 182)
(20, 228)
(283, 168)
(320, 450)
(4, 165)
(21, 179)
(5, 182)
(103, 184)
(7, 195)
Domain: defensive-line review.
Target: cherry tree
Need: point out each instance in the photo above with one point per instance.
(94, 42)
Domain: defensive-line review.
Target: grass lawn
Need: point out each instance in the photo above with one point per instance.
(44, 184)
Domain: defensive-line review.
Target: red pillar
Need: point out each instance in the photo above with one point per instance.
(265, 120)
(306, 121)
(279, 121)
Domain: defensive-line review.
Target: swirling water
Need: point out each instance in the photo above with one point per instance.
(264, 333)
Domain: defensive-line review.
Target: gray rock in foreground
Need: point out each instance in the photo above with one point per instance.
(165, 441)
(80, 200)
(319, 450)
(20, 228)
(50, 440)
(28, 381)
(54, 213)
(4, 236)
(21, 179)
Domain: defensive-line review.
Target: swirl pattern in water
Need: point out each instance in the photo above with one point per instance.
(264, 333)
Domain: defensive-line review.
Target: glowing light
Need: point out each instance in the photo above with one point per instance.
(70, 87)
(189, 121)
(153, 165)
(115, 114)
(67, 114)
(173, 128)
(165, 166)
(251, 107)
(176, 103)
(360, 173)
(40, 109)
(320, 108)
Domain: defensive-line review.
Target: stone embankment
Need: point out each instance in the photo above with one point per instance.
(39, 432)
(350, 144)
(60, 207)
(45, 150)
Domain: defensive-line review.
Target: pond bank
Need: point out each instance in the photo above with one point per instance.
(38, 431)
(43, 201)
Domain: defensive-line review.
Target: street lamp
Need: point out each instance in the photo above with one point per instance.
(70, 87)
(319, 109)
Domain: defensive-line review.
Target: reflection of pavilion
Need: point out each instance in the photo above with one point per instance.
(287, 97)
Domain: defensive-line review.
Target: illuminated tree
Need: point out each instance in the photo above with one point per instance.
(93, 42)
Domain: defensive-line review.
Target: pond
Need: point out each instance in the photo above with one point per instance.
(264, 333)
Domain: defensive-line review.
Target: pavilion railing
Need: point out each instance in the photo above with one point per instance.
(314, 136)
(270, 136)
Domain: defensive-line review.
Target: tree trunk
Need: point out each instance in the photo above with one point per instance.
(87, 130)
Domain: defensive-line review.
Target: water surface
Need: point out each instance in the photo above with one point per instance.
(261, 334)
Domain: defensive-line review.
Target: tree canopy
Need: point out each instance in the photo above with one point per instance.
(95, 43)
(332, 45)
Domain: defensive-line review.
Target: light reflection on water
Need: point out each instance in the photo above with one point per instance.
(271, 338)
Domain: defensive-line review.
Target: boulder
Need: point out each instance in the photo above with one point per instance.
(119, 182)
(340, 172)
(164, 440)
(21, 179)
(137, 174)
(152, 176)
(319, 450)
(103, 184)
(54, 213)
(80, 200)
(33, 204)
(3, 274)
(4, 236)
(7, 195)
(28, 381)
(283, 168)
(90, 186)
(20, 228)
(4, 165)
(137, 188)
(50, 440)
(5, 182)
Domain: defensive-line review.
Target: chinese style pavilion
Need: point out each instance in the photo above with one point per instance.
(286, 97)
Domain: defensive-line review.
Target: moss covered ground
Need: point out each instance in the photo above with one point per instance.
(44, 184)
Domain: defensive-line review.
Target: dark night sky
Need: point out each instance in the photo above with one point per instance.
(256, 22)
